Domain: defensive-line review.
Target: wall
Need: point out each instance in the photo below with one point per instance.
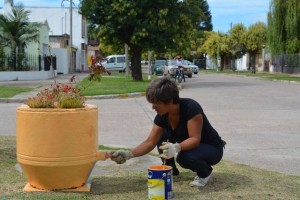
(241, 63)
(62, 57)
(41, 47)
(59, 23)
(25, 75)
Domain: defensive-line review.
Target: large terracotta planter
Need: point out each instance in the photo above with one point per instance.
(57, 148)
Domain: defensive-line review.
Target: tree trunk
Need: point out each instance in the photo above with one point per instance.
(136, 67)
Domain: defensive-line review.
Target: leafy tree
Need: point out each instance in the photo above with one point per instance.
(256, 37)
(284, 26)
(197, 41)
(144, 24)
(237, 41)
(197, 34)
(215, 45)
(17, 32)
(106, 48)
(255, 40)
(205, 24)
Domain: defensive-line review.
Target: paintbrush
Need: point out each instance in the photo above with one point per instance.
(164, 163)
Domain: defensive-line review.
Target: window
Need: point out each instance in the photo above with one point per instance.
(120, 59)
(111, 60)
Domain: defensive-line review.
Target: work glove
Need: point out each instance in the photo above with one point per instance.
(120, 156)
(169, 149)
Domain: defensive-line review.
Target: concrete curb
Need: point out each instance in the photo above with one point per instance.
(117, 96)
(11, 100)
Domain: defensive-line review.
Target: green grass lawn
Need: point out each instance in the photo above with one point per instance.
(10, 91)
(114, 85)
(230, 181)
(272, 76)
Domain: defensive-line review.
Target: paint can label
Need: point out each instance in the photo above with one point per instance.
(160, 183)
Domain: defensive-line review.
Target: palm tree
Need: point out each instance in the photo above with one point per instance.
(16, 32)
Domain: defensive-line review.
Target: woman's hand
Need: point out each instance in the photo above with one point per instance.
(121, 156)
(169, 149)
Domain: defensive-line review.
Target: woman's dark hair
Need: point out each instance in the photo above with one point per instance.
(162, 90)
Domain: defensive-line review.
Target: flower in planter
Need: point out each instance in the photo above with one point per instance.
(67, 95)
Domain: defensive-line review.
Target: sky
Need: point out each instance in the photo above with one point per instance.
(225, 13)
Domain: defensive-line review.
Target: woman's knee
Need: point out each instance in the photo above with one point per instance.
(184, 160)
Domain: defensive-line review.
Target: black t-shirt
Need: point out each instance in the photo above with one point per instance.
(188, 109)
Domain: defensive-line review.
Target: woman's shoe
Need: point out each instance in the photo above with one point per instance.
(200, 182)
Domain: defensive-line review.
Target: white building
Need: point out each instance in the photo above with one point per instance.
(34, 49)
(60, 33)
(61, 36)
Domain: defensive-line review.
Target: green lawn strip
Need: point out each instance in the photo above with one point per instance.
(10, 91)
(117, 83)
(272, 76)
(114, 85)
(230, 181)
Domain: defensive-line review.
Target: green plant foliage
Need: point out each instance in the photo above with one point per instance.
(215, 43)
(236, 40)
(284, 26)
(256, 37)
(145, 25)
(17, 32)
(67, 95)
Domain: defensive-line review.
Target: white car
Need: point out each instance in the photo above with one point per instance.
(172, 67)
(115, 63)
(194, 68)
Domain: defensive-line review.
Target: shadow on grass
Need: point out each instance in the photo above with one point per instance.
(223, 181)
(117, 185)
(138, 183)
(218, 183)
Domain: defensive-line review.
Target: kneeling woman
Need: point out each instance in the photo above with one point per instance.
(180, 129)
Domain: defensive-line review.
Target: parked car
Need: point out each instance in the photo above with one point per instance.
(157, 67)
(115, 63)
(172, 67)
(194, 68)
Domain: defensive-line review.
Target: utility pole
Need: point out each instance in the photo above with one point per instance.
(218, 58)
(126, 61)
(149, 65)
(71, 34)
(71, 27)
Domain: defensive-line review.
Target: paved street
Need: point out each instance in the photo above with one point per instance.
(259, 119)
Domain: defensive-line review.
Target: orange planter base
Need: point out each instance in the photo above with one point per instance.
(84, 188)
(57, 148)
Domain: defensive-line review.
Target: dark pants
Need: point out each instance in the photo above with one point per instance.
(177, 73)
(198, 160)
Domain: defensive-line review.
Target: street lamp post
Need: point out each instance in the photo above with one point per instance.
(126, 61)
(149, 65)
(71, 34)
(71, 23)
